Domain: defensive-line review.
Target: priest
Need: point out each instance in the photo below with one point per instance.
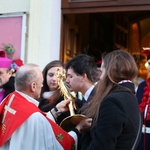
(22, 125)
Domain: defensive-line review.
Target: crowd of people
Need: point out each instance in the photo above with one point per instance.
(32, 111)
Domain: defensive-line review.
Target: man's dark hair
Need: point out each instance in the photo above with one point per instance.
(83, 63)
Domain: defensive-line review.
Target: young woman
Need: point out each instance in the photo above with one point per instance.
(114, 109)
(50, 93)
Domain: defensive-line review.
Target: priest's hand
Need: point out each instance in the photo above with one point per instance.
(63, 105)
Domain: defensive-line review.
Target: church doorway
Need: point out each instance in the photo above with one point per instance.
(96, 33)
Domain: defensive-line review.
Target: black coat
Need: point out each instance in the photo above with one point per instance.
(118, 122)
(140, 91)
(9, 86)
(45, 106)
(83, 137)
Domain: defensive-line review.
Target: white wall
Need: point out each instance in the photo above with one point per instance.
(9, 6)
(44, 31)
(43, 28)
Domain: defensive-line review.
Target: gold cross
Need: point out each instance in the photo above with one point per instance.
(60, 137)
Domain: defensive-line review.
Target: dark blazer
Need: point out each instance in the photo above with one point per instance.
(80, 103)
(140, 91)
(118, 122)
(83, 137)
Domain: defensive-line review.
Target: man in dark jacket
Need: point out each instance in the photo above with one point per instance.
(82, 76)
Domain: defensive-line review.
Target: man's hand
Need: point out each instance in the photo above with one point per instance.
(84, 125)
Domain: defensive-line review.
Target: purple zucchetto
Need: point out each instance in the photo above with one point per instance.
(4, 61)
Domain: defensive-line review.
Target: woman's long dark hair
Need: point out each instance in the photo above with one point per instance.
(119, 65)
(55, 63)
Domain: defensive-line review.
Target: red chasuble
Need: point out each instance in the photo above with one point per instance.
(16, 107)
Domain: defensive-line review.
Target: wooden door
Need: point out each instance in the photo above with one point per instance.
(71, 39)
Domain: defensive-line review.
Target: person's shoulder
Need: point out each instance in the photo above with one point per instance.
(141, 86)
(119, 92)
(143, 83)
(37, 116)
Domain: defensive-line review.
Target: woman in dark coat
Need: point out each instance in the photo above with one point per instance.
(114, 110)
